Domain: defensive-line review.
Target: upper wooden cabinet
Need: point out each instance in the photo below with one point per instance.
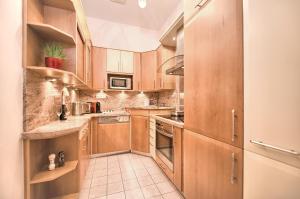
(140, 133)
(119, 61)
(214, 69)
(137, 72)
(149, 66)
(212, 169)
(99, 68)
(88, 64)
(80, 72)
(164, 81)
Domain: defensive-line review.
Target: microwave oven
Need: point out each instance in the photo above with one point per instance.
(120, 82)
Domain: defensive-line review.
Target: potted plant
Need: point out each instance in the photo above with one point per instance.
(54, 55)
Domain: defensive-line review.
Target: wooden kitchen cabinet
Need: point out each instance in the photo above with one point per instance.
(113, 60)
(127, 60)
(164, 62)
(84, 151)
(177, 157)
(137, 72)
(113, 137)
(80, 72)
(88, 65)
(99, 68)
(120, 61)
(149, 66)
(212, 169)
(191, 7)
(140, 133)
(214, 66)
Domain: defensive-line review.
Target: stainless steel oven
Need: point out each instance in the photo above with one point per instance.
(164, 143)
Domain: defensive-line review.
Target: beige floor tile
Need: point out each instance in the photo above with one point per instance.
(100, 172)
(114, 188)
(99, 181)
(131, 184)
(145, 181)
(98, 191)
(114, 178)
(141, 173)
(113, 170)
(120, 195)
(157, 178)
(128, 175)
(154, 170)
(172, 195)
(134, 194)
(165, 187)
(150, 191)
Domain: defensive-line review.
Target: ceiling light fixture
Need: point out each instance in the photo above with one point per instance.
(142, 3)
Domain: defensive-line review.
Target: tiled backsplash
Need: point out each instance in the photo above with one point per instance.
(42, 100)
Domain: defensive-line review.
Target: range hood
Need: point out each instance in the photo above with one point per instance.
(178, 67)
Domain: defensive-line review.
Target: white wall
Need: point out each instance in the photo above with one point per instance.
(122, 36)
(11, 100)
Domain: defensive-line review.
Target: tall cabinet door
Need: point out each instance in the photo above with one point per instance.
(113, 60)
(126, 62)
(99, 68)
(212, 169)
(214, 67)
(140, 133)
(137, 83)
(149, 66)
(80, 56)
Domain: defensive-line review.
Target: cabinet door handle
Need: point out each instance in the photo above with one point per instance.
(292, 152)
(233, 134)
(233, 162)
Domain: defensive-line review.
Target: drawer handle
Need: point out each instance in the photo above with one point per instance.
(275, 147)
(233, 162)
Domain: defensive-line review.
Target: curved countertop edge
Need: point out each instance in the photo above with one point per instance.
(151, 108)
(174, 123)
(61, 128)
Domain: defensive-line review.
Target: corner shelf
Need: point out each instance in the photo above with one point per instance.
(68, 196)
(50, 32)
(46, 176)
(63, 4)
(65, 76)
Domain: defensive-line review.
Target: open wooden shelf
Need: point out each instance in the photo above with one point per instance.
(46, 176)
(68, 196)
(51, 33)
(65, 77)
(63, 4)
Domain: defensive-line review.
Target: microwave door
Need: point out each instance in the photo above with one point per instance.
(118, 83)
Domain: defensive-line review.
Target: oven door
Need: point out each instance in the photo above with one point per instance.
(164, 147)
(120, 83)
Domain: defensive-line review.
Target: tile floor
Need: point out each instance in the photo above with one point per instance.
(129, 176)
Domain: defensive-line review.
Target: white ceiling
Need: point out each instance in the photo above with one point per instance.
(152, 17)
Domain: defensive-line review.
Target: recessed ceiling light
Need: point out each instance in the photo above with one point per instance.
(142, 3)
(174, 38)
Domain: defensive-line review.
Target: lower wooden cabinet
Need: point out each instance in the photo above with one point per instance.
(140, 133)
(113, 137)
(177, 142)
(84, 151)
(212, 169)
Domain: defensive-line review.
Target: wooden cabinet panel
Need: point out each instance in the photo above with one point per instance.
(212, 169)
(214, 67)
(149, 65)
(163, 80)
(80, 56)
(113, 60)
(99, 68)
(137, 84)
(88, 65)
(178, 157)
(191, 8)
(113, 137)
(126, 65)
(140, 133)
(94, 136)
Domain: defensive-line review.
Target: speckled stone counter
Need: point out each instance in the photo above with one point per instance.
(151, 108)
(71, 125)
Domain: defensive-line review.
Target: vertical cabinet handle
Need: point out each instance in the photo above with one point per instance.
(199, 4)
(233, 162)
(233, 134)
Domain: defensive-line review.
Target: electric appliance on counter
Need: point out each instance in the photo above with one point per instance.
(98, 107)
(164, 143)
(80, 108)
(120, 82)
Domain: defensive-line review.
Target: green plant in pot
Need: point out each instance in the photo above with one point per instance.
(54, 55)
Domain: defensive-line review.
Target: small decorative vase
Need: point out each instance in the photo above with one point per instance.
(52, 162)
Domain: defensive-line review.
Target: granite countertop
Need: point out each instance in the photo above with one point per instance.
(151, 108)
(168, 121)
(71, 125)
